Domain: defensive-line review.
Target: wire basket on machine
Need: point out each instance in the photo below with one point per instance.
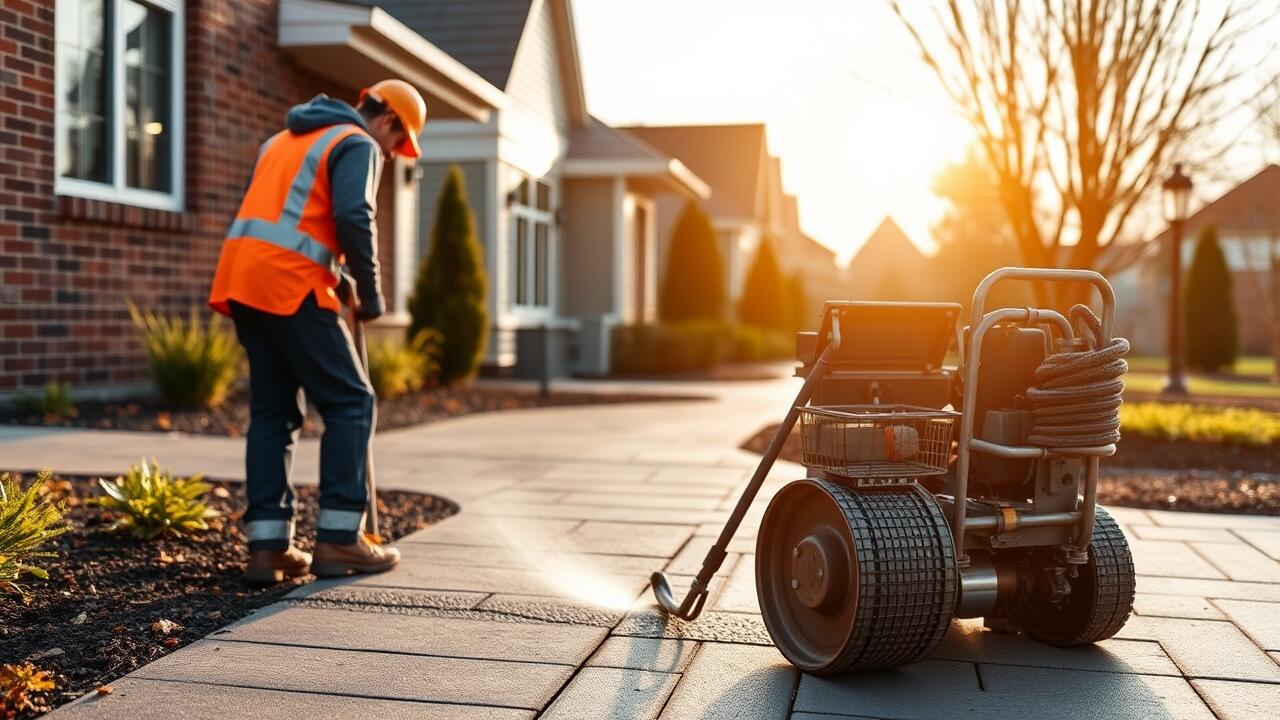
(876, 441)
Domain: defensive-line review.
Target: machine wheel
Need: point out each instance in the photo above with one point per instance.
(853, 579)
(1101, 595)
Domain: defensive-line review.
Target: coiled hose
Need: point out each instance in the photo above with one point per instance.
(1076, 398)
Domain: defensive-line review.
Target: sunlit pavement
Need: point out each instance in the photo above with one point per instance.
(532, 602)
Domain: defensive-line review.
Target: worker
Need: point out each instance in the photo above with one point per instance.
(309, 210)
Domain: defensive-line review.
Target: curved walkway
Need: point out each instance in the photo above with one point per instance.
(532, 602)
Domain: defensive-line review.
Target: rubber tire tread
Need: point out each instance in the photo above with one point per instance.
(1114, 581)
(907, 577)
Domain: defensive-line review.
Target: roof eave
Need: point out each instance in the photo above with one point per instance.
(671, 175)
(357, 45)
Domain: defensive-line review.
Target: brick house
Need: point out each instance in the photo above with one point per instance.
(128, 130)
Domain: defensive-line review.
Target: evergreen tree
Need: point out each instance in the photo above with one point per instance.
(798, 300)
(1209, 310)
(450, 293)
(693, 280)
(765, 302)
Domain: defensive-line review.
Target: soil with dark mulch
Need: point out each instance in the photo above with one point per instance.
(1161, 474)
(232, 417)
(99, 614)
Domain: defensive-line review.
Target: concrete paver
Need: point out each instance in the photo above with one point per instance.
(612, 694)
(139, 699)
(638, 653)
(1195, 608)
(528, 686)
(533, 600)
(553, 643)
(1240, 701)
(734, 681)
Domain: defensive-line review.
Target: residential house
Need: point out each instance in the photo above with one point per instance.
(128, 133)
(1247, 218)
(110, 197)
(889, 266)
(562, 203)
(747, 203)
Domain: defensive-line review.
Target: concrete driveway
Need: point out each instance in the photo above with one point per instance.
(532, 602)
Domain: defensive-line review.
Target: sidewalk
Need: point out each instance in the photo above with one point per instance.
(532, 602)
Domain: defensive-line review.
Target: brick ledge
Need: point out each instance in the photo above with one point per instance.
(101, 211)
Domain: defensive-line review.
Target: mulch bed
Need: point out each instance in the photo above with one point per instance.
(94, 619)
(232, 417)
(1160, 474)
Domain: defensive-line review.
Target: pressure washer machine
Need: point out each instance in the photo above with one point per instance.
(902, 524)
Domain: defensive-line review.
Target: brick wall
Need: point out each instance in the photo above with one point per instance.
(69, 266)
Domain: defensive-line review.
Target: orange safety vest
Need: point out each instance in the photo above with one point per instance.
(284, 241)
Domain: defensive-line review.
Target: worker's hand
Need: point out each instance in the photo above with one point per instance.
(346, 291)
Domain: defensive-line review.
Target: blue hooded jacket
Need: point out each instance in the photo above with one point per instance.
(355, 168)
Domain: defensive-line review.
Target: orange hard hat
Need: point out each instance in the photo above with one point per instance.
(408, 105)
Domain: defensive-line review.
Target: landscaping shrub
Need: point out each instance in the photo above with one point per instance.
(798, 301)
(1201, 423)
(193, 363)
(693, 275)
(54, 401)
(398, 368)
(18, 684)
(676, 348)
(1209, 309)
(28, 520)
(765, 301)
(149, 503)
(449, 296)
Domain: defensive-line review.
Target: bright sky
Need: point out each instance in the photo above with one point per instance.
(860, 124)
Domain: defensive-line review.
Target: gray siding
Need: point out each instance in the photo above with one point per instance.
(433, 175)
(587, 247)
(536, 85)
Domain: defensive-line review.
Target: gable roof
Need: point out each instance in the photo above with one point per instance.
(1252, 206)
(596, 150)
(730, 158)
(888, 242)
(485, 36)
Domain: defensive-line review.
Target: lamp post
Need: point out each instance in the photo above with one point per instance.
(1177, 199)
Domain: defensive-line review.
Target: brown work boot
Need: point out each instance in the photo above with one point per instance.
(361, 556)
(273, 566)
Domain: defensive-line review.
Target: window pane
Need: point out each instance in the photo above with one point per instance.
(522, 193)
(522, 261)
(540, 264)
(82, 89)
(148, 129)
(544, 196)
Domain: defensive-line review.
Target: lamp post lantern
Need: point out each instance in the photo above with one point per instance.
(1177, 199)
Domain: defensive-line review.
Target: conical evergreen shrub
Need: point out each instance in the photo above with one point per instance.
(1209, 309)
(765, 301)
(693, 279)
(450, 293)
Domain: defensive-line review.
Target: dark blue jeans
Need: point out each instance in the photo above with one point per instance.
(308, 352)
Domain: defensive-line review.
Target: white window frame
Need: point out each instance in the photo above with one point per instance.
(118, 191)
(534, 217)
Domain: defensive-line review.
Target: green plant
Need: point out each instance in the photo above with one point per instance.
(1200, 423)
(693, 283)
(1209, 308)
(449, 295)
(54, 401)
(149, 503)
(17, 684)
(28, 520)
(765, 301)
(397, 368)
(193, 363)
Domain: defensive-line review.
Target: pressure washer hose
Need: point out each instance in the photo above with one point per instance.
(1076, 398)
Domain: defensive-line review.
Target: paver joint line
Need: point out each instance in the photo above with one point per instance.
(373, 651)
(333, 694)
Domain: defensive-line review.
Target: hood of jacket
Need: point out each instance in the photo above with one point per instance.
(321, 112)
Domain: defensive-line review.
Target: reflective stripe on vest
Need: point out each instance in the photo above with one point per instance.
(285, 233)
